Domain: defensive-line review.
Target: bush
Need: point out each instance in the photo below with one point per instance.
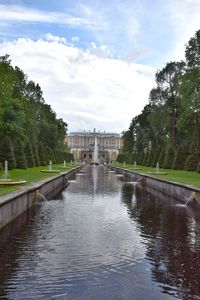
(169, 158)
(41, 155)
(120, 157)
(180, 158)
(156, 157)
(51, 155)
(130, 158)
(161, 157)
(139, 157)
(36, 155)
(198, 167)
(69, 157)
(7, 153)
(150, 158)
(145, 158)
(192, 160)
(20, 157)
(29, 155)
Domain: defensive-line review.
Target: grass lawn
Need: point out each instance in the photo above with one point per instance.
(185, 177)
(30, 175)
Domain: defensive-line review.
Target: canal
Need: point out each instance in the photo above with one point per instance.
(103, 238)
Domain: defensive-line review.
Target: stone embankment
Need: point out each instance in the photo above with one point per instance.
(160, 187)
(16, 203)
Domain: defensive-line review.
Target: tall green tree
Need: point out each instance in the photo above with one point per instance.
(190, 91)
(169, 80)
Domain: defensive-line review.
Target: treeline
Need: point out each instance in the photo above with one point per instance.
(168, 129)
(30, 133)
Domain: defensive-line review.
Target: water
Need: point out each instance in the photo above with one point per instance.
(96, 152)
(157, 168)
(50, 165)
(5, 174)
(103, 239)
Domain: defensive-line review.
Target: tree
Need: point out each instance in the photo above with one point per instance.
(169, 80)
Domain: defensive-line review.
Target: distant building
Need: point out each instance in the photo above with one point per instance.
(81, 145)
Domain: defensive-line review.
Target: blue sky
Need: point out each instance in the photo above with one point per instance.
(95, 60)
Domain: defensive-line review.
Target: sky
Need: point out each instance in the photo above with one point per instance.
(96, 60)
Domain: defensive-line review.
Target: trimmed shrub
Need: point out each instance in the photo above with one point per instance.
(169, 158)
(46, 154)
(41, 154)
(69, 157)
(150, 158)
(120, 157)
(51, 155)
(156, 157)
(139, 157)
(145, 158)
(180, 158)
(192, 160)
(161, 157)
(130, 158)
(29, 155)
(20, 157)
(36, 155)
(7, 153)
(198, 167)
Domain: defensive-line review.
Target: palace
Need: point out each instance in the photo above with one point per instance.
(82, 144)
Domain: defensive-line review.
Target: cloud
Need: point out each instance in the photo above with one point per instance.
(113, 24)
(86, 90)
(185, 21)
(15, 13)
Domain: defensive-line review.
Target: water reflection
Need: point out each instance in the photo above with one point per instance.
(172, 243)
(103, 238)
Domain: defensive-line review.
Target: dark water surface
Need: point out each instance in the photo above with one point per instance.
(103, 239)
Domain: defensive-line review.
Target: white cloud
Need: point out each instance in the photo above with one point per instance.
(113, 25)
(87, 91)
(13, 13)
(185, 21)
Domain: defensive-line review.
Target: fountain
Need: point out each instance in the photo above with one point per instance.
(50, 169)
(64, 166)
(157, 168)
(5, 178)
(95, 154)
(5, 175)
(50, 165)
(39, 196)
(135, 166)
(157, 171)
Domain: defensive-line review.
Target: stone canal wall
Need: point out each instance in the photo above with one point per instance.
(14, 204)
(160, 187)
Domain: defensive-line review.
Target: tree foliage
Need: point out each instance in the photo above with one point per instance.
(171, 120)
(24, 116)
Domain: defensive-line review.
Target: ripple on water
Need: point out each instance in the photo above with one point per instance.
(96, 243)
